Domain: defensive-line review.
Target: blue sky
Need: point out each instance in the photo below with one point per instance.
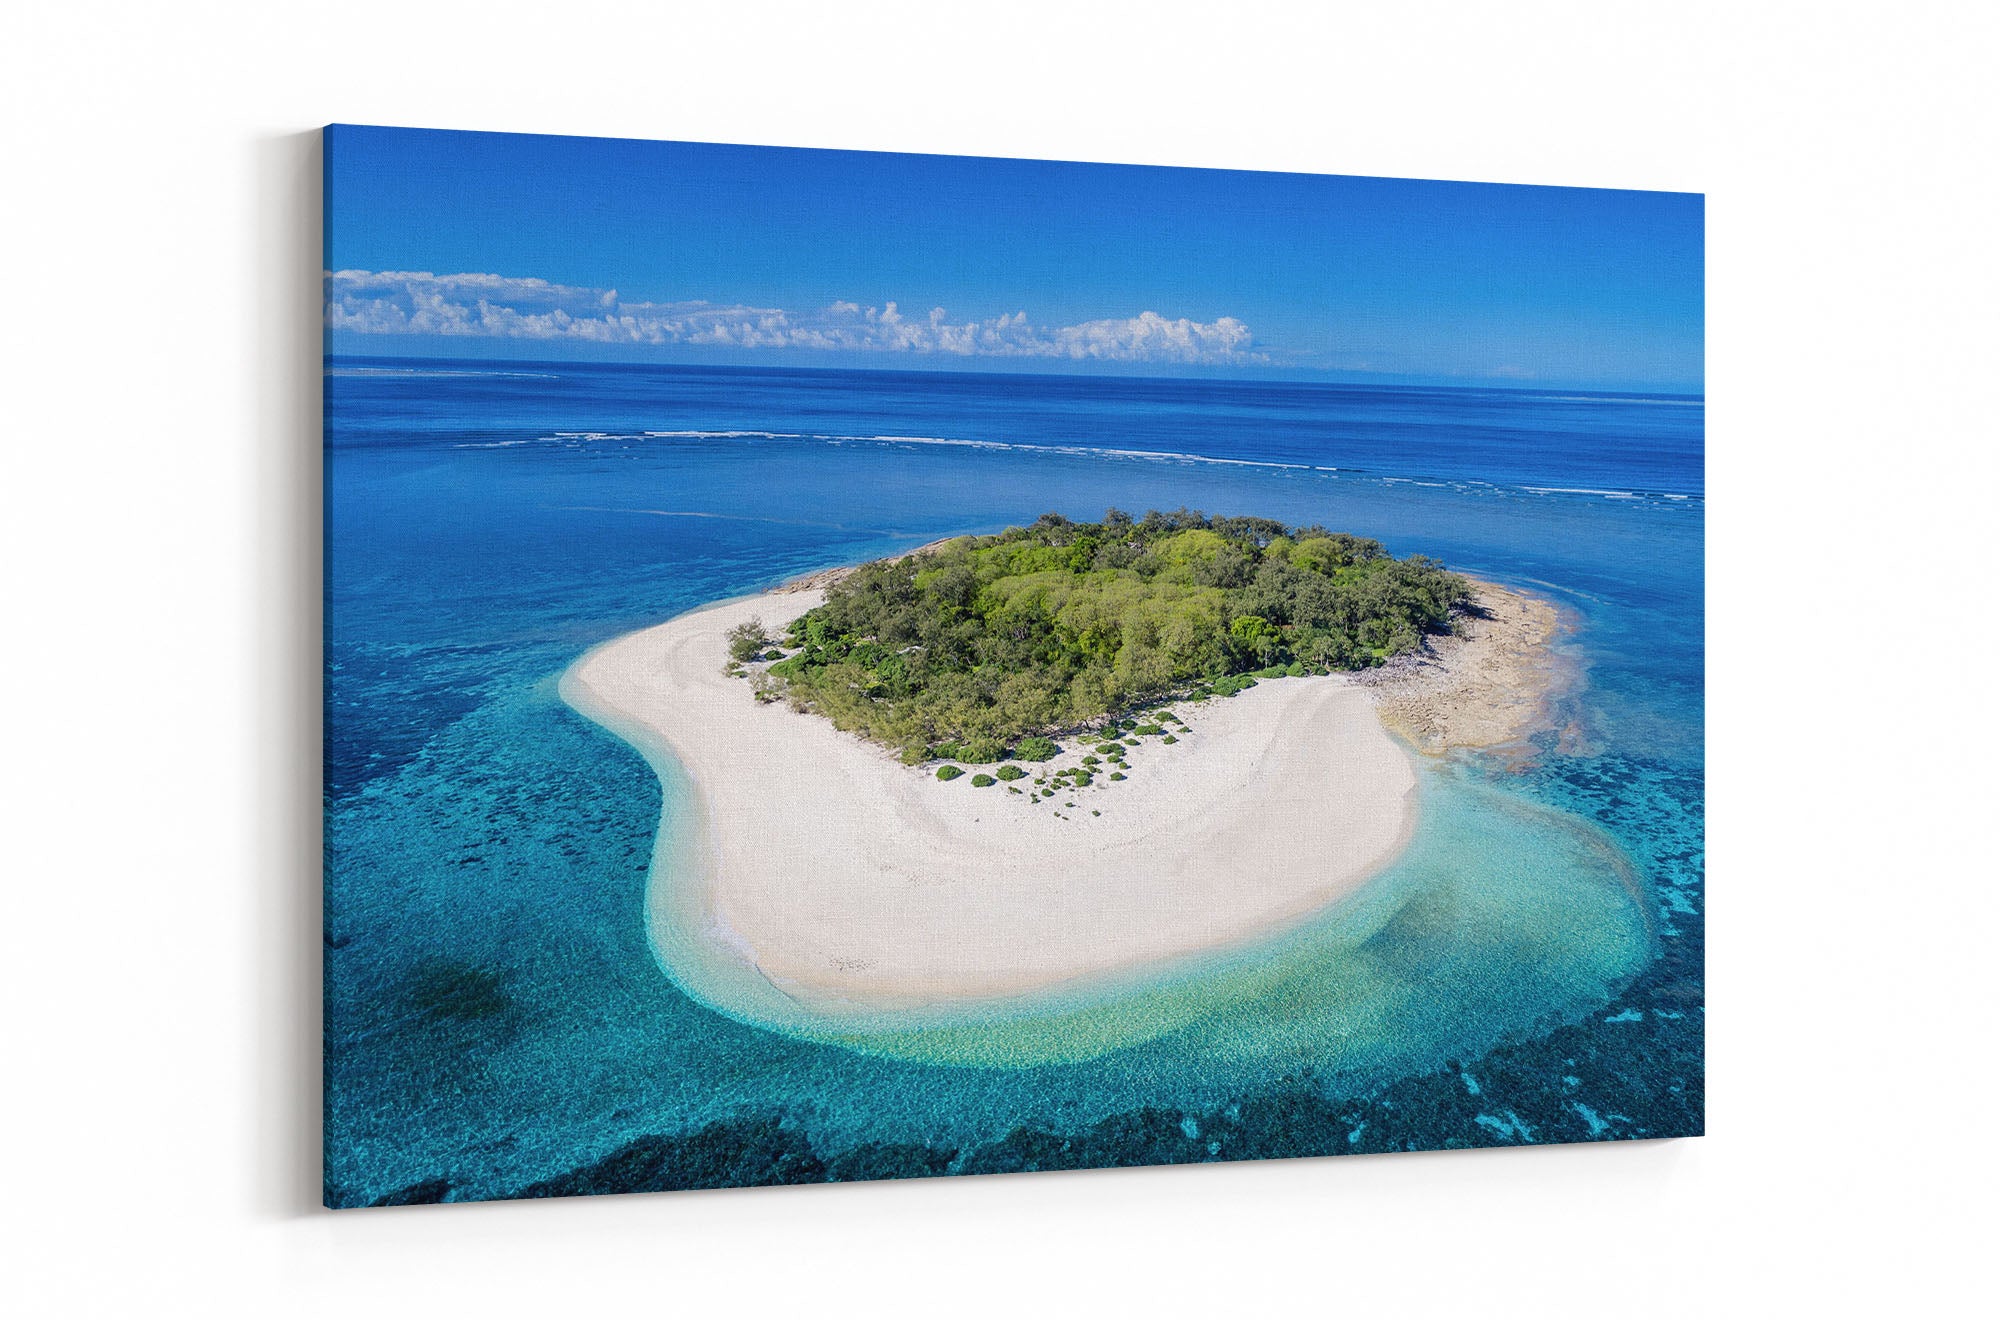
(499, 245)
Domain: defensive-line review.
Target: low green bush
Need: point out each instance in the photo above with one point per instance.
(1010, 773)
(1170, 740)
(747, 640)
(982, 779)
(1036, 749)
(950, 771)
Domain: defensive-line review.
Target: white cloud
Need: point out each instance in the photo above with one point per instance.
(491, 306)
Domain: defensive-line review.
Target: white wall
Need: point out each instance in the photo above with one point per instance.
(158, 428)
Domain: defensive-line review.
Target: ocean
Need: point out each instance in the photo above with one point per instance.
(495, 1018)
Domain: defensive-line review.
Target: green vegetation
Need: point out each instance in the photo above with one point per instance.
(982, 779)
(1036, 749)
(977, 650)
(747, 640)
(950, 771)
(1010, 773)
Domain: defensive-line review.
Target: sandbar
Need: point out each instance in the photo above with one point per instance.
(846, 879)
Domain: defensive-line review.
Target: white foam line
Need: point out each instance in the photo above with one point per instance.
(1635, 402)
(724, 435)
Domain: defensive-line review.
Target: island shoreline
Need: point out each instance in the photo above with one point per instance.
(743, 950)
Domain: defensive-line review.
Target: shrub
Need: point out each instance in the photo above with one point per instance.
(1170, 740)
(1112, 749)
(747, 640)
(1036, 749)
(980, 751)
(1117, 777)
(982, 779)
(1150, 729)
(950, 771)
(1010, 773)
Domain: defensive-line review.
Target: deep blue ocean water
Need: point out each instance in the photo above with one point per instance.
(494, 1013)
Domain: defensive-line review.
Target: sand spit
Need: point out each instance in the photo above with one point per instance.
(1491, 686)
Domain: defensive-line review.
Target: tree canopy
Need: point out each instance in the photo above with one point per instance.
(967, 649)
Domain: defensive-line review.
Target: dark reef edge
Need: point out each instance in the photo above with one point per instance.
(1613, 1076)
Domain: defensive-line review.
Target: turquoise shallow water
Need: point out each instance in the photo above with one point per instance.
(1500, 915)
(497, 1015)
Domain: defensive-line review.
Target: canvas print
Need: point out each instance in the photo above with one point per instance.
(853, 666)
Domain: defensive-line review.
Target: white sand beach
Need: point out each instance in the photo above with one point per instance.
(847, 878)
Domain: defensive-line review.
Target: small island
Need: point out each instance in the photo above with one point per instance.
(912, 780)
(980, 648)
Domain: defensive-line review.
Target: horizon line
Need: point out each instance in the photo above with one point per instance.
(1390, 380)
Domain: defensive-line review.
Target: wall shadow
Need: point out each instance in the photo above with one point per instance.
(288, 488)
